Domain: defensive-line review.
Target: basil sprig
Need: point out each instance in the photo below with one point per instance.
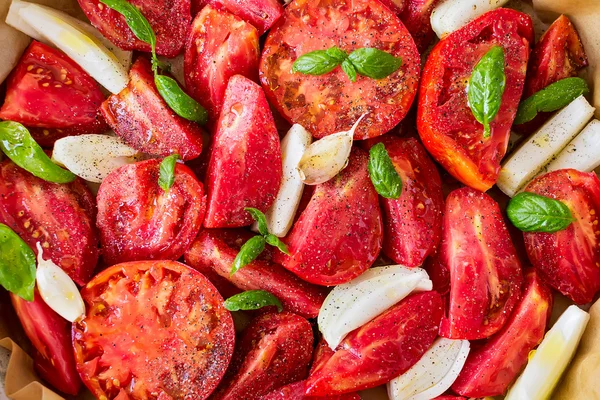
(531, 212)
(166, 175)
(17, 264)
(553, 97)
(369, 62)
(182, 104)
(16, 142)
(383, 174)
(252, 300)
(486, 87)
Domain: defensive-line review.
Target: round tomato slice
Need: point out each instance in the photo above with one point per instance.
(569, 260)
(331, 103)
(138, 220)
(153, 330)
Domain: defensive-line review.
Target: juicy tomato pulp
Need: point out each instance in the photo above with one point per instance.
(297, 391)
(153, 329)
(262, 14)
(331, 103)
(416, 16)
(446, 123)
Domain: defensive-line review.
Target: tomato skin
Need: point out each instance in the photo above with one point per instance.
(245, 161)
(493, 367)
(297, 391)
(156, 328)
(416, 17)
(569, 260)
(331, 103)
(211, 251)
(61, 217)
(445, 122)
(138, 220)
(485, 272)
(380, 350)
(274, 350)
(140, 116)
(51, 337)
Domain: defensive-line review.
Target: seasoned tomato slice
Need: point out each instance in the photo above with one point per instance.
(152, 330)
(297, 391)
(331, 103)
(416, 16)
(569, 260)
(445, 122)
(485, 272)
(138, 220)
(262, 14)
(60, 217)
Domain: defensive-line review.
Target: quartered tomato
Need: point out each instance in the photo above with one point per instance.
(339, 234)
(569, 260)
(169, 19)
(153, 329)
(485, 272)
(262, 14)
(60, 217)
(446, 123)
(491, 368)
(138, 220)
(416, 16)
(216, 250)
(50, 335)
(274, 350)
(331, 103)
(140, 116)
(245, 161)
(380, 350)
(297, 391)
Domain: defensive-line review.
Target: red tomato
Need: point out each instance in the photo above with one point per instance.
(450, 397)
(214, 250)
(153, 329)
(438, 273)
(331, 103)
(51, 337)
(380, 350)
(417, 19)
(262, 14)
(61, 217)
(491, 368)
(297, 391)
(245, 160)
(49, 90)
(397, 6)
(220, 46)
(569, 260)
(485, 272)
(170, 20)
(138, 220)
(339, 234)
(274, 350)
(140, 116)
(446, 123)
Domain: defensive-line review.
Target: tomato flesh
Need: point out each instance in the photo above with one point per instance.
(297, 391)
(416, 16)
(262, 14)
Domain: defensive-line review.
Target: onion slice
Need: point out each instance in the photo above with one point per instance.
(583, 153)
(451, 15)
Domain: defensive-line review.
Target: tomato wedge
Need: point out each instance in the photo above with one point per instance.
(445, 122)
(262, 14)
(297, 391)
(416, 16)
(153, 329)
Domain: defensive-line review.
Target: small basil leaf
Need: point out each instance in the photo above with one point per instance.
(383, 174)
(166, 176)
(179, 101)
(337, 54)
(136, 21)
(260, 218)
(316, 62)
(16, 142)
(526, 112)
(248, 253)
(374, 63)
(252, 300)
(349, 69)
(17, 264)
(486, 87)
(275, 241)
(531, 212)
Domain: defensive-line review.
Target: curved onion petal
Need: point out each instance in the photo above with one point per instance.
(582, 153)
(450, 15)
(351, 305)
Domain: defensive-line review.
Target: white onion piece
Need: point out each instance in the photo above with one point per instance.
(583, 153)
(547, 364)
(351, 305)
(537, 151)
(93, 157)
(57, 289)
(326, 157)
(433, 374)
(450, 15)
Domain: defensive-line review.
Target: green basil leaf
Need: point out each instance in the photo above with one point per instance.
(486, 87)
(349, 69)
(383, 174)
(531, 212)
(260, 218)
(252, 300)
(316, 62)
(179, 101)
(17, 264)
(19, 146)
(337, 54)
(166, 176)
(248, 253)
(136, 21)
(275, 241)
(553, 97)
(374, 63)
